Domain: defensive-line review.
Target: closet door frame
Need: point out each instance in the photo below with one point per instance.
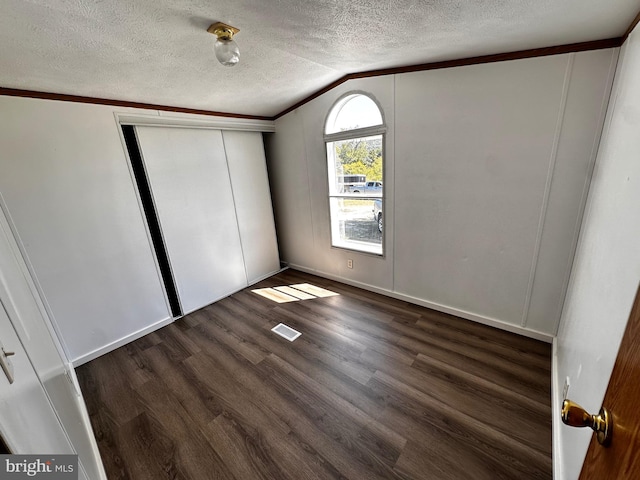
(177, 120)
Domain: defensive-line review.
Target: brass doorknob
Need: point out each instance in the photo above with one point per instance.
(576, 416)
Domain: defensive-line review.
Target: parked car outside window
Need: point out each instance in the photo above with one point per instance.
(377, 212)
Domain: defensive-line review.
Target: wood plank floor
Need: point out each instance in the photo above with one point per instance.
(375, 388)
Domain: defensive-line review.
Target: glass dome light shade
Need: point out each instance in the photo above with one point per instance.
(227, 52)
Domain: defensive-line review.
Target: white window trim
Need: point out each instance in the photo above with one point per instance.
(355, 133)
(354, 245)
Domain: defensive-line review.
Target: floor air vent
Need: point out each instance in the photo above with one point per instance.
(286, 332)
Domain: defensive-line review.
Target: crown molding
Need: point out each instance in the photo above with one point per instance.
(13, 92)
(631, 27)
(499, 57)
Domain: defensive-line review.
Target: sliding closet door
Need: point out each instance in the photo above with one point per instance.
(248, 170)
(189, 179)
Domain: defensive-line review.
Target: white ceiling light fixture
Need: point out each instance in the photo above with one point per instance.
(227, 51)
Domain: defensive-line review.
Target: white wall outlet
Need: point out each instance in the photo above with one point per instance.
(349, 263)
(565, 388)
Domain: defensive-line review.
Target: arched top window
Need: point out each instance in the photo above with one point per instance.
(353, 112)
(354, 136)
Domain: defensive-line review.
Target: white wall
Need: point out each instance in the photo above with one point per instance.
(67, 186)
(486, 169)
(606, 270)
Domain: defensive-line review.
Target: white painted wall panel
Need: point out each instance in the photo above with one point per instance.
(189, 178)
(473, 147)
(288, 174)
(66, 183)
(252, 198)
(584, 114)
(606, 270)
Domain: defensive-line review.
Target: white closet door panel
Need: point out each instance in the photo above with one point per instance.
(189, 178)
(248, 170)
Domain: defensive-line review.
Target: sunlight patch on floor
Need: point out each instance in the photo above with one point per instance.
(293, 293)
(313, 290)
(275, 295)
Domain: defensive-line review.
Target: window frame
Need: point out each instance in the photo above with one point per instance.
(356, 133)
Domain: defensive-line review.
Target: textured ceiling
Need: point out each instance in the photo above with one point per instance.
(158, 51)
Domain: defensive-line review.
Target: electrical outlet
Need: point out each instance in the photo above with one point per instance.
(349, 263)
(565, 388)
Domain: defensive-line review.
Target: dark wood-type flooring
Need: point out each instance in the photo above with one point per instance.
(375, 388)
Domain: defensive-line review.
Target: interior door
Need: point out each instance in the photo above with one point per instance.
(620, 460)
(27, 421)
(45, 390)
(189, 178)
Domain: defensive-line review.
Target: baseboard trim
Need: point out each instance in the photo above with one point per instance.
(98, 352)
(264, 277)
(492, 322)
(555, 414)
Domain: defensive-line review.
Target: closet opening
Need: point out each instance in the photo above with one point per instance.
(4, 450)
(151, 215)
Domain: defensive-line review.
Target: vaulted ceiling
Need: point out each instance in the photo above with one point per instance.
(159, 52)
